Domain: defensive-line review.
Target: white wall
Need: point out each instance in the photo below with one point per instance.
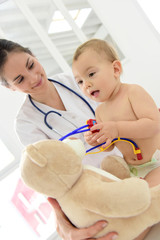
(9, 104)
(136, 38)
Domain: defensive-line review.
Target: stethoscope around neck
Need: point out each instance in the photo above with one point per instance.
(46, 114)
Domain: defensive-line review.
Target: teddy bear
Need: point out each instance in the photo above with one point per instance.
(87, 194)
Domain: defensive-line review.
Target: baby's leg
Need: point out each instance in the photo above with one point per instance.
(116, 165)
(153, 179)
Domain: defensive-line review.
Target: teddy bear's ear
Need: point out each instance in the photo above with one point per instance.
(36, 156)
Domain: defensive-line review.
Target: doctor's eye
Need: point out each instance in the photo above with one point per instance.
(31, 65)
(91, 74)
(20, 80)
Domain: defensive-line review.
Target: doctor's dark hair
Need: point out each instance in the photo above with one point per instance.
(99, 46)
(7, 47)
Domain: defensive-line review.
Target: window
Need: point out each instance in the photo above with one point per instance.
(6, 156)
(151, 9)
(25, 214)
(59, 24)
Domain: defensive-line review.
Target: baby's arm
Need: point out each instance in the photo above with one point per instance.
(147, 122)
(146, 112)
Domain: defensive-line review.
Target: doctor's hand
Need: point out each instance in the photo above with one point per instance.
(68, 232)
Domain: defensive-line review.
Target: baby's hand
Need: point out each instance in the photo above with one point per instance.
(88, 136)
(108, 131)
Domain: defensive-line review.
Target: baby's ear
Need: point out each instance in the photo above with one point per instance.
(117, 68)
(35, 156)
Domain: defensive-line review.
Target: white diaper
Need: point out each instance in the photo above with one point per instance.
(143, 169)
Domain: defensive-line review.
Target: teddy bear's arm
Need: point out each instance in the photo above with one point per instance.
(124, 198)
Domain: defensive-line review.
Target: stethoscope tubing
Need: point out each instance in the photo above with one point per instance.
(76, 131)
(81, 129)
(56, 112)
(74, 92)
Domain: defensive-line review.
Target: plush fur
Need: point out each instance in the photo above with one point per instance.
(87, 194)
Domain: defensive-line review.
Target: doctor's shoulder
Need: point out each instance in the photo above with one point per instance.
(68, 79)
(26, 108)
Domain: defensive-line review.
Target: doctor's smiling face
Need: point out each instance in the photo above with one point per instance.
(24, 73)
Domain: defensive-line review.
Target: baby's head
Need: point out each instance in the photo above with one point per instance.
(101, 47)
(96, 65)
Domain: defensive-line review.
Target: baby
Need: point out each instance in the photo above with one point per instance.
(126, 110)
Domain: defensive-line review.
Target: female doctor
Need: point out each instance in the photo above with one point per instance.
(50, 110)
